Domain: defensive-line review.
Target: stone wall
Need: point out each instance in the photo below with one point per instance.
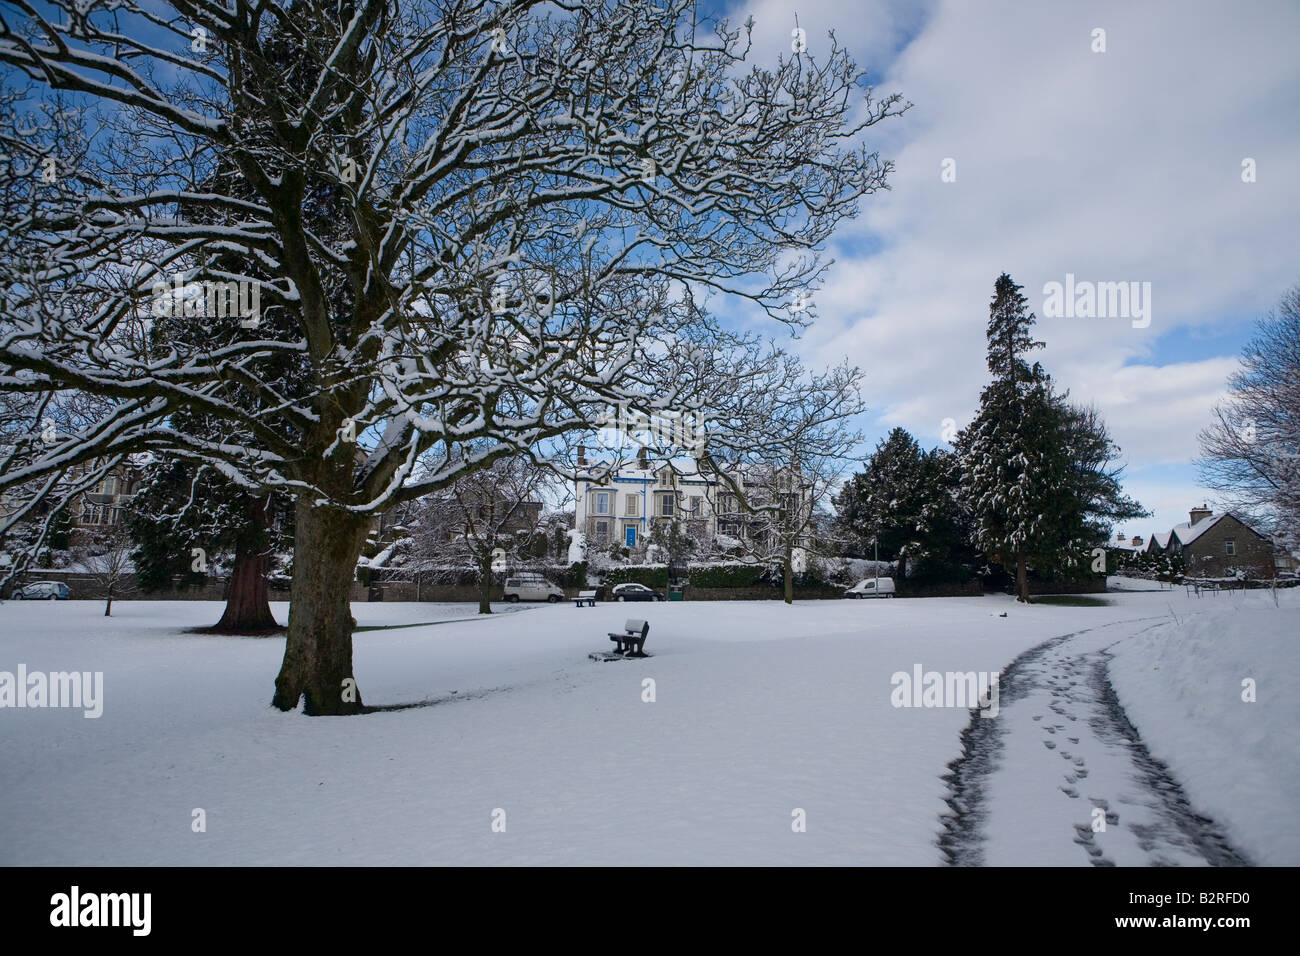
(761, 593)
(968, 589)
(1089, 586)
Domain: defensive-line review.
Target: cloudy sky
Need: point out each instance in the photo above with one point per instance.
(1123, 165)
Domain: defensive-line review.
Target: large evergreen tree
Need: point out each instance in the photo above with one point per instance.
(882, 503)
(1035, 469)
(907, 500)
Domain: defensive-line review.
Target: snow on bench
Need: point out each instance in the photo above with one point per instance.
(585, 597)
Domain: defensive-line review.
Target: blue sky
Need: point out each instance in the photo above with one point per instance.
(1122, 165)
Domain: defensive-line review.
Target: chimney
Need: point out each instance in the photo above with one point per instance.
(1119, 537)
(582, 455)
(1197, 514)
(642, 459)
(1137, 541)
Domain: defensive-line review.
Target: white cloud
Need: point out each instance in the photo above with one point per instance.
(1114, 166)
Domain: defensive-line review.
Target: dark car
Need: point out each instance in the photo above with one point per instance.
(635, 592)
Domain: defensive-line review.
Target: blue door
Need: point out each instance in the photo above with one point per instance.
(631, 536)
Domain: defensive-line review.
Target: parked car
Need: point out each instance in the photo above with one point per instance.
(524, 588)
(42, 591)
(872, 588)
(635, 592)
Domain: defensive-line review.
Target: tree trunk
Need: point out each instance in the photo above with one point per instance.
(788, 576)
(317, 666)
(108, 606)
(485, 585)
(248, 605)
(1022, 579)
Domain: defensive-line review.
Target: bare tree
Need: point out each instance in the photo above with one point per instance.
(107, 559)
(1251, 452)
(776, 470)
(459, 221)
(486, 519)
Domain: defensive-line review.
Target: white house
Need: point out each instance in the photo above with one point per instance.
(623, 503)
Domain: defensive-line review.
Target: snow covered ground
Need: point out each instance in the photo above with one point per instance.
(760, 710)
(1182, 686)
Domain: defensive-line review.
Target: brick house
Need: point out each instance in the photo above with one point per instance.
(1216, 546)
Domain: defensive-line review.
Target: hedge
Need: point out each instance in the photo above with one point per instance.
(651, 575)
(727, 576)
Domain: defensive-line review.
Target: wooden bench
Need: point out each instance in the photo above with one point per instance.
(585, 597)
(632, 640)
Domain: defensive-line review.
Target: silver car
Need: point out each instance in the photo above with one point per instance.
(42, 591)
(531, 588)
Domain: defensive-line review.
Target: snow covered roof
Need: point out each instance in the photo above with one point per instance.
(687, 468)
(1188, 532)
(1185, 533)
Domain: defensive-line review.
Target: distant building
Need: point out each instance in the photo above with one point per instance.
(104, 505)
(1121, 543)
(1216, 545)
(622, 503)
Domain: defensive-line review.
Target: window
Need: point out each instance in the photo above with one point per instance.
(602, 502)
(1231, 545)
(602, 532)
(632, 506)
(666, 505)
(695, 504)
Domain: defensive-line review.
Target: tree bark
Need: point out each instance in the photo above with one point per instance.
(108, 607)
(485, 585)
(788, 575)
(248, 606)
(1022, 580)
(317, 666)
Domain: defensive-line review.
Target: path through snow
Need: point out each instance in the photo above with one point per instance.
(1035, 782)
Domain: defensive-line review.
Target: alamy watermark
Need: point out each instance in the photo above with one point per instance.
(963, 689)
(75, 908)
(73, 689)
(237, 298)
(1098, 300)
(683, 430)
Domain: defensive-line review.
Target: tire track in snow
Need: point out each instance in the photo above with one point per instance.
(1060, 754)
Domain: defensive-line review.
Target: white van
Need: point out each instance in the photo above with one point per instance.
(524, 587)
(872, 588)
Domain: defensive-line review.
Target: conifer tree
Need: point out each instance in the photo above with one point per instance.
(1035, 469)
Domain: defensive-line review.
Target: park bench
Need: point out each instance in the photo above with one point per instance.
(585, 597)
(632, 640)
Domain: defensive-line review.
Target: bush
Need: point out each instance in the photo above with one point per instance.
(727, 576)
(574, 576)
(651, 575)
